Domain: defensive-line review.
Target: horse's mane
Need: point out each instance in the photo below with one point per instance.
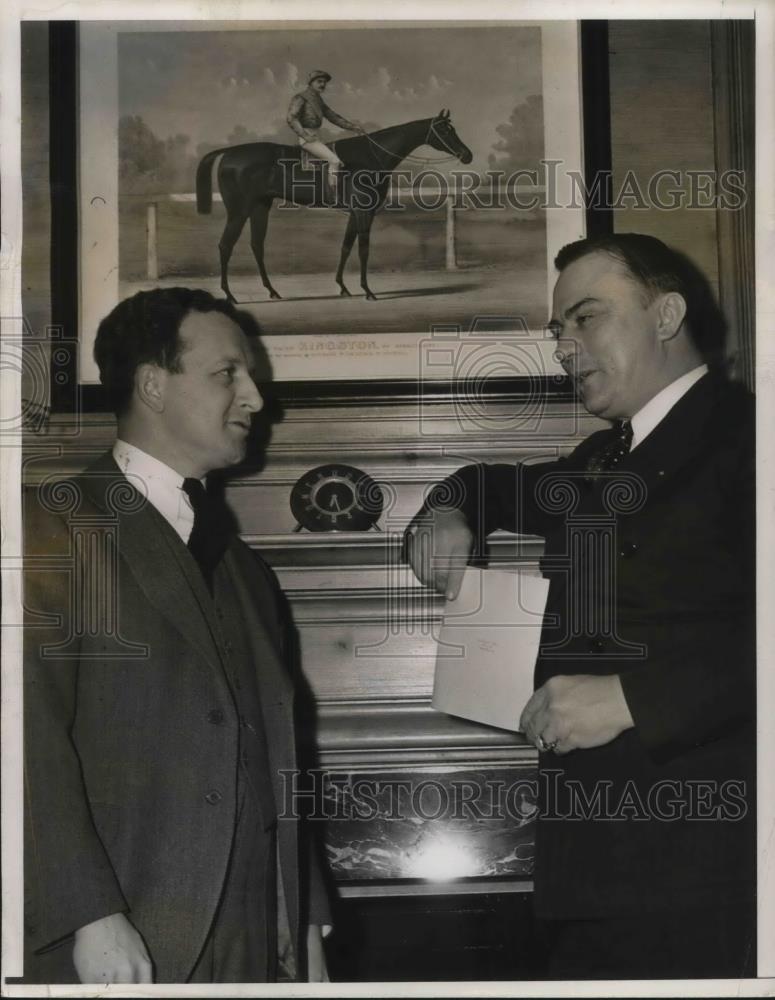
(350, 144)
(384, 132)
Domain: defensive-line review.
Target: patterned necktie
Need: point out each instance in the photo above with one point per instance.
(611, 454)
(209, 537)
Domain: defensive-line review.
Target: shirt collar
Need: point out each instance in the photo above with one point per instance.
(158, 483)
(657, 408)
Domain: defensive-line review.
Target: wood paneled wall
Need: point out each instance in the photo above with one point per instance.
(662, 119)
(36, 247)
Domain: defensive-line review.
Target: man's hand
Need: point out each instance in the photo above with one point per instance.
(317, 970)
(110, 950)
(437, 546)
(576, 712)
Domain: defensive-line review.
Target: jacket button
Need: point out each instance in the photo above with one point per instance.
(596, 645)
(213, 797)
(628, 549)
(228, 647)
(215, 716)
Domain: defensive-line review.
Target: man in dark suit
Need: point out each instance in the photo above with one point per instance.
(643, 712)
(158, 705)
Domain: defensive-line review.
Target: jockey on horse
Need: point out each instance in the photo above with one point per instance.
(252, 175)
(305, 115)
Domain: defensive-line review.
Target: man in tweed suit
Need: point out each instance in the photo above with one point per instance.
(158, 704)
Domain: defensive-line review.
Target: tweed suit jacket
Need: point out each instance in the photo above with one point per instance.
(663, 815)
(131, 730)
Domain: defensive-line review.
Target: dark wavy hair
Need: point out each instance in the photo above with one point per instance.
(659, 268)
(145, 328)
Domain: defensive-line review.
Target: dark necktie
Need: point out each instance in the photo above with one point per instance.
(613, 451)
(209, 537)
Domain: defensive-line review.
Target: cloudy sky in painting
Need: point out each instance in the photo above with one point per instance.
(204, 83)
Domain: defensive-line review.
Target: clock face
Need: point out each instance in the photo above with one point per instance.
(336, 498)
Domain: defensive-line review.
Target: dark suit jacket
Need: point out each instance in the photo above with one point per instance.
(676, 821)
(131, 787)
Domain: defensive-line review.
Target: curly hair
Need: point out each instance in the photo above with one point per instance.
(145, 329)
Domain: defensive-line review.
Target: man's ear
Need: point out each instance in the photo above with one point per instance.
(671, 312)
(150, 381)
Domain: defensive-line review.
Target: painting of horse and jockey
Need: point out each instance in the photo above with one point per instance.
(340, 178)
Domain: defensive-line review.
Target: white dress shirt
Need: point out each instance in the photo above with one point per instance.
(159, 484)
(658, 407)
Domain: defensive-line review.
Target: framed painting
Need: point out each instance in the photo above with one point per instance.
(189, 173)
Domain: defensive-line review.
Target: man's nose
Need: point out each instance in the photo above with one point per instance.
(563, 353)
(250, 398)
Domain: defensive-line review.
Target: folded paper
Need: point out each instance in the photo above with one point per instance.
(488, 646)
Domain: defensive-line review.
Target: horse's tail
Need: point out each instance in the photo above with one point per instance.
(204, 181)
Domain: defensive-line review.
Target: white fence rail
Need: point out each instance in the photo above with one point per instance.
(450, 212)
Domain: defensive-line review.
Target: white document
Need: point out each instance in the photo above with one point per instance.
(488, 646)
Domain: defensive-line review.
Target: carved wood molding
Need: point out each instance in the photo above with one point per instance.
(732, 47)
(347, 550)
(385, 733)
(469, 887)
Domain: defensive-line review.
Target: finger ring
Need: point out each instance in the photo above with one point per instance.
(543, 745)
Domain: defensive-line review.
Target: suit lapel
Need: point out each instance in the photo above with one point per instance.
(162, 566)
(678, 439)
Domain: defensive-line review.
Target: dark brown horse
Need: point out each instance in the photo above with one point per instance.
(250, 177)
